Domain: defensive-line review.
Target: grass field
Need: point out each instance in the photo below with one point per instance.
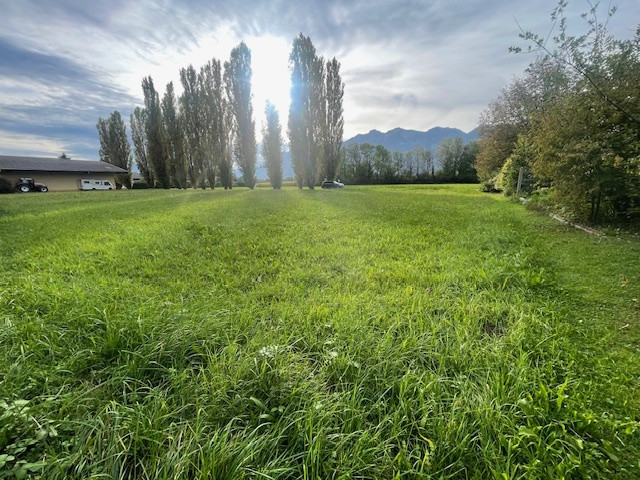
(372, 332)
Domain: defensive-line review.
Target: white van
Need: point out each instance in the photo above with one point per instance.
(89, 184)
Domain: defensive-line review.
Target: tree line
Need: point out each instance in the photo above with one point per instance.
(453, 162)
(571, 121)
(197, 138)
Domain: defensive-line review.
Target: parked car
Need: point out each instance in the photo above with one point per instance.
(28, 185)
(332, 184)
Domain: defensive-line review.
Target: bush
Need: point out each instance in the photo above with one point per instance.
(6, 186)
(546, 200)
(521, 157)
(139, 185)
(493, 185)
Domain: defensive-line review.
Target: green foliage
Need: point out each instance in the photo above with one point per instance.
(511, 114)
(334, 91)
(174, 138)
(587, 141)
(403, 333)
(216, 127)
(193, 125)
(457, 161)
(495, 145)
(522, 157)
(156, 154)
(493, 185)
(364, 164)
(140, 185)
(593, 167)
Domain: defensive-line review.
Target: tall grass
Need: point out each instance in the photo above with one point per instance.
(373, 332)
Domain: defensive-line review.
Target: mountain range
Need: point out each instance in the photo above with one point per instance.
(396, 140)
(401, 140)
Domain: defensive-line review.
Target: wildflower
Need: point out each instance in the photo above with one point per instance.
(270, 351)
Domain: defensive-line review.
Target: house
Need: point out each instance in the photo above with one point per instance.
(59, 174)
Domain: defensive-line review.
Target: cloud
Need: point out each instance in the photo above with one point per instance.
(24, 144)
(409, 63)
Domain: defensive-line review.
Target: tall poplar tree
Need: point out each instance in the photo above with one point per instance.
(272, 145)
(174, 139)
(190, 102)
(156, 151)
(297, 130)
(114, 146)
(317, 121)
(237, 78)
(213, 120)
(334, 92)
(139, 136)
(226, 136)
(306, 111)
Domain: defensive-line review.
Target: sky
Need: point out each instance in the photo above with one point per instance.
(405, 63)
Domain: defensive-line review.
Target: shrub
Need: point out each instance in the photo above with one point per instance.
(493, 185)
(139, 185)
(522, 157)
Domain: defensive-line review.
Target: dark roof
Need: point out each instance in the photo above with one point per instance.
(46, 164)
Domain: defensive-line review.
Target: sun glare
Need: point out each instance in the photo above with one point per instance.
(271, 79)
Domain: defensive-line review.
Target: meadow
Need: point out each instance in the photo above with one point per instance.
(394, 332)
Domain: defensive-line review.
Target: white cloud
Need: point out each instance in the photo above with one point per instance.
(24, 144)
(409, 63)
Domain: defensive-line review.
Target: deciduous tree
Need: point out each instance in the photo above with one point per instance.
(139, 137)
(306, 111)
(174, 137)
(334, 91)
(156, 149)
(213, 120)
(192, 126)
(272, 145)
(512, 113)
(237, 78)
(114, 146)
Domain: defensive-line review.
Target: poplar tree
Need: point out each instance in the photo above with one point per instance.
(297, 129)
(334, 91)
(237, 78)
(156, 151)
(213, 121)
(114, 146)
(226, 135)
(139, 136)
(272, 145)
(190, 104)
(317, 121)
(174, 139)
(307, 111)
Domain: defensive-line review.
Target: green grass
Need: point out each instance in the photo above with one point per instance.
(373, 332)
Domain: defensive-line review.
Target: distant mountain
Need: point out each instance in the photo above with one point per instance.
(396, 140)
(401, 140)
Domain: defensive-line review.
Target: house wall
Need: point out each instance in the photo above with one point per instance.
(58, 181)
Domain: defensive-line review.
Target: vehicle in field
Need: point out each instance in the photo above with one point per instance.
(91, 184)
(332, 184)
(25, 185)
